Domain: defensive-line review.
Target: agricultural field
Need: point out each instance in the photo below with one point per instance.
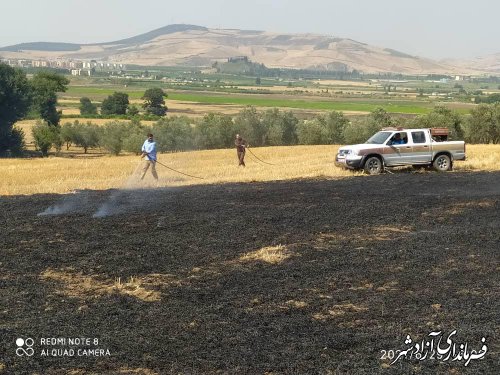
(197, 95)
(309, 275)
(98, 171)
(289, 265)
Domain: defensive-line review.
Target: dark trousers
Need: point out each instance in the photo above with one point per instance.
(241, 157)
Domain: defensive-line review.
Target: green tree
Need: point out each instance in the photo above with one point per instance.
(271, 120)
(311, 132)
(133, 142)
(15, 100)
(359, 130)
(289, 125)
(153, 101)
(112, 134)
(46, 136)
(17, 143)
(442, 117)
(85, 135)
(87, 107)
(380, 118)
(115, 104)
(248, 123)
(214, 130)
(173, 134)
(45, 86)
(335, 123)
(483, 124)
(493, 98)
(280, 127)
(67, 133)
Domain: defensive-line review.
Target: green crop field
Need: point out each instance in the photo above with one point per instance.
(404, 107)
(100, 92)
(407, 107)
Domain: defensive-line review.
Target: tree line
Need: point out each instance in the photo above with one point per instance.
(118, 104)
(37, 98)
(20, 96)
(272, 127)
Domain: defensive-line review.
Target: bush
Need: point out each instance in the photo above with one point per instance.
(280, 127)
(441, 117)
(133, 143)
(135, 137)
(133, 111)
(45, 137)
(111, 136)
(311, 132)
(173, 134)
(359, 130)
(490, 99)
(335, 124)
(85, 135)
(213, 131)
(483, 124)
(271, 120)
(248, 123)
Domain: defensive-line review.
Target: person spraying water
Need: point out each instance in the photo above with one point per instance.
(149, 153)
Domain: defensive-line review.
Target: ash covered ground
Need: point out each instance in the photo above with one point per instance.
(293, 277)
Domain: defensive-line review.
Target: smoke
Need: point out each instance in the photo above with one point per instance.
(76, 201)
(131, 195)
(116, 203)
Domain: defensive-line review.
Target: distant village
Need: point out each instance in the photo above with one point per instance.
(94, 67)
(75, 67)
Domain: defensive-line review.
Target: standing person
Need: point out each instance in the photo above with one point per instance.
(241, 146)
(149, 152)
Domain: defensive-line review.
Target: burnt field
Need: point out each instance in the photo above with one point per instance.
(293, 277)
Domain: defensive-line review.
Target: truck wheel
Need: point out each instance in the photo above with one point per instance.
(442, 163)
(373, 165)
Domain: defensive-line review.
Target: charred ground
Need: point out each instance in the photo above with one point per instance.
(308, 276)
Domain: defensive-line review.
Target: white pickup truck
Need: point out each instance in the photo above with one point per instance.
(392, 147)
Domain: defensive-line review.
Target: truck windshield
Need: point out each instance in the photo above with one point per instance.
(379, 138)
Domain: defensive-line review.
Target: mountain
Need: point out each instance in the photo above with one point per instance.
(200, 46)
(489, 63)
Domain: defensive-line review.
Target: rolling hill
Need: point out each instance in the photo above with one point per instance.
(200, 46)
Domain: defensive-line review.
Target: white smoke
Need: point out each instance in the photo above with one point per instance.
(131, 195)
(76, 201)
(123, 199)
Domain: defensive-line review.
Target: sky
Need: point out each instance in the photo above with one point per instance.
(428, 28)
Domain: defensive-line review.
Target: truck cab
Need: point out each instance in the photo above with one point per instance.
(392, 147)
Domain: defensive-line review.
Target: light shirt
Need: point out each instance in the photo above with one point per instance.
(150, 148)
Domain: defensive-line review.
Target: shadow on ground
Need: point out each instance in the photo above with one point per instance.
(309, 276)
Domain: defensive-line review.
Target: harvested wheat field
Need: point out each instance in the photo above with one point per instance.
(301, 276)
(75, 170)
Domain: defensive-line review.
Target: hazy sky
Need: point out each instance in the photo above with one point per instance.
(427, 28)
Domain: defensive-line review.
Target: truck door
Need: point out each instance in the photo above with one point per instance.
(422, 153)
(398, 150)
